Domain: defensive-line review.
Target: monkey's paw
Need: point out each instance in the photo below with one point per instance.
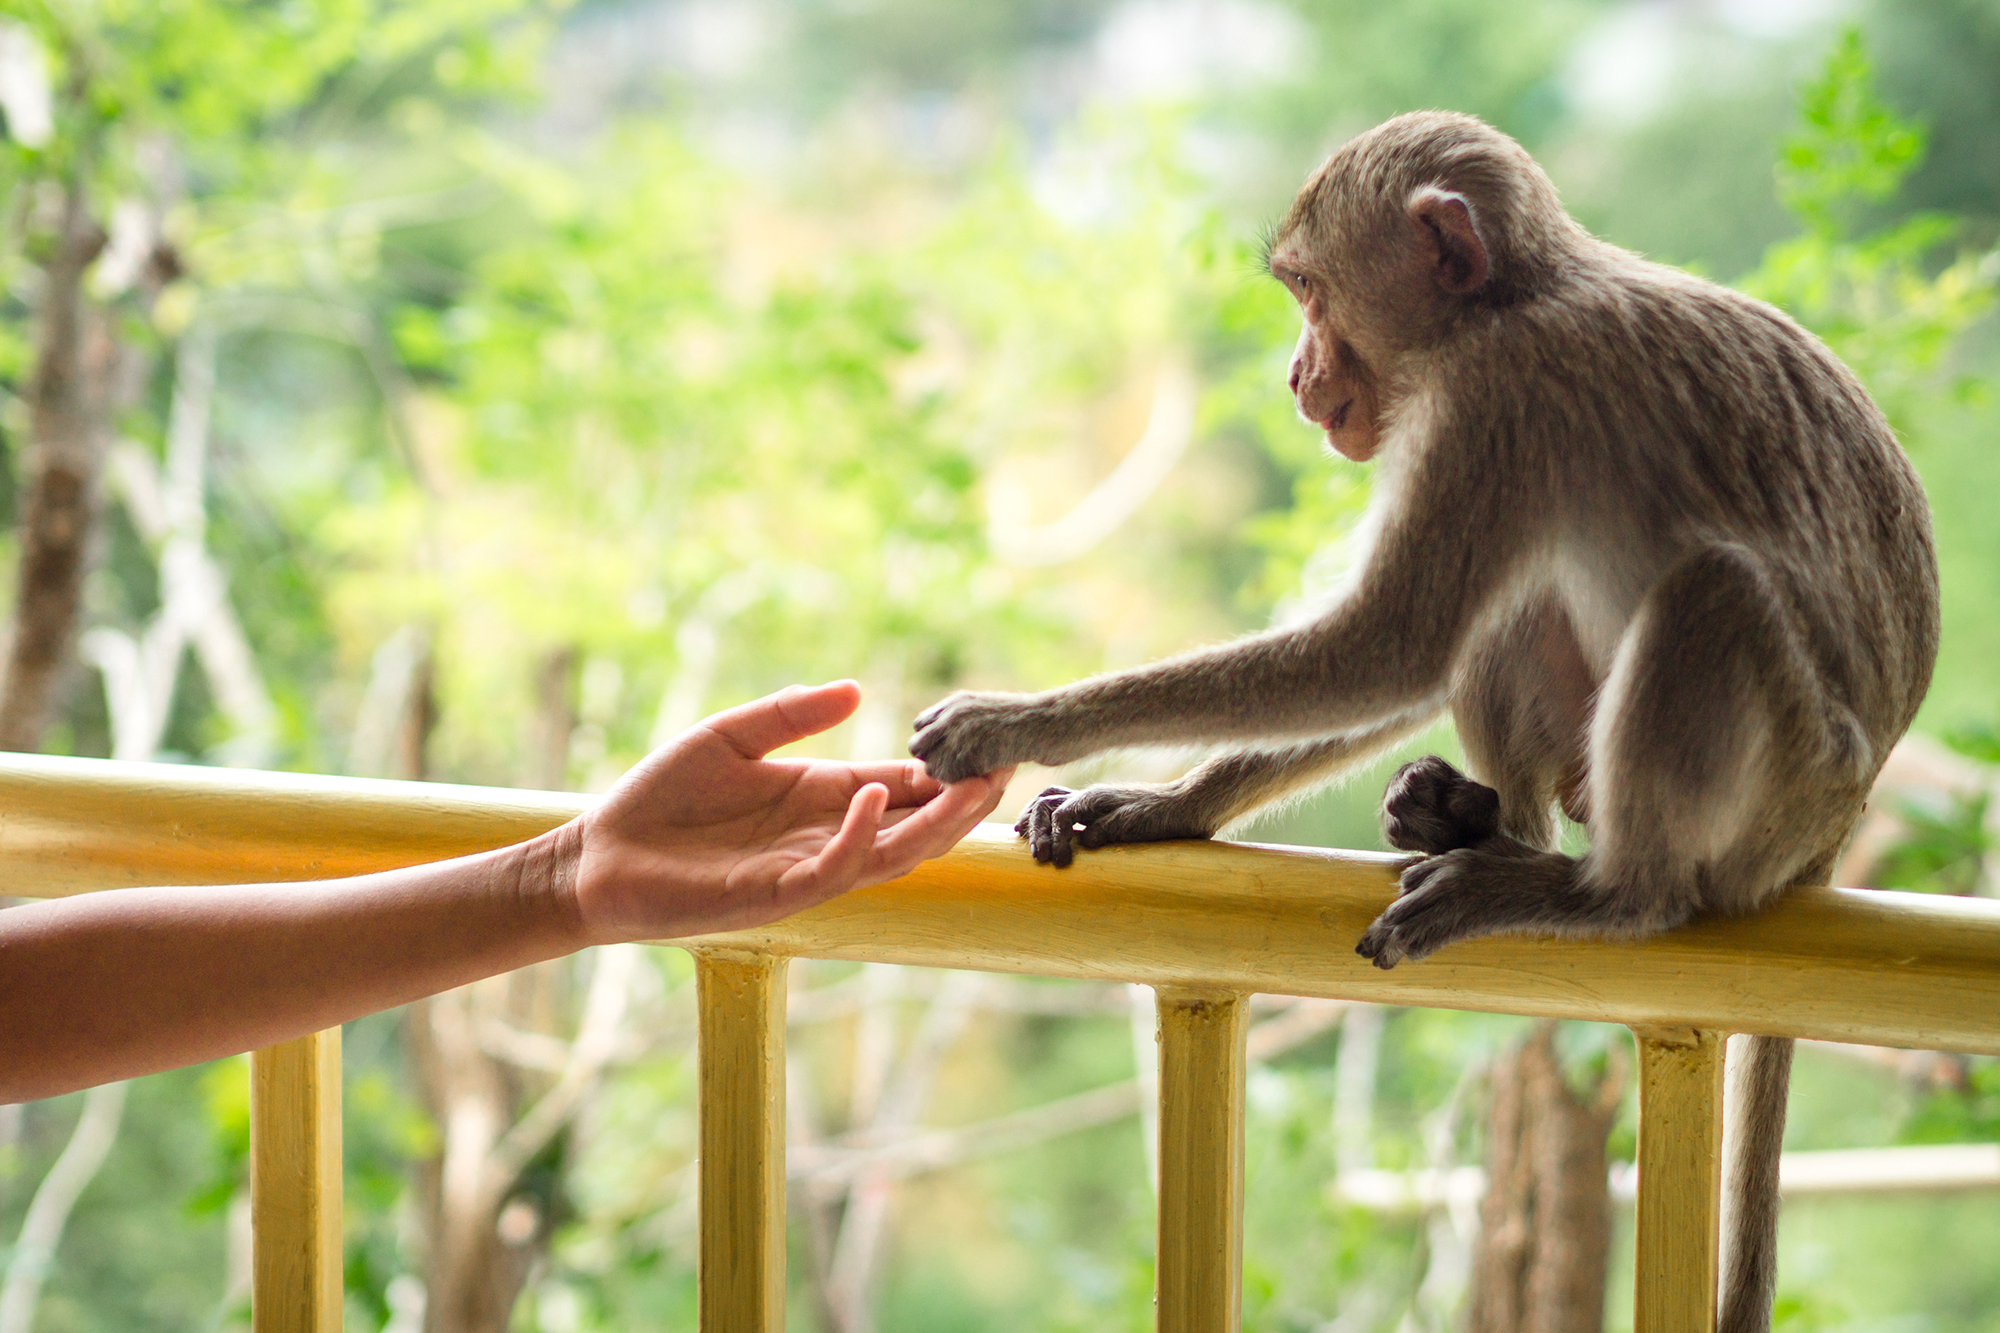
(1433, 808)
(1059, 821)
(1434, 909)
(967, 734)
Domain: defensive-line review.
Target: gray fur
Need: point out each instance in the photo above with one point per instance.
(1760, 1075)
(1645, 537)
(1207, 799)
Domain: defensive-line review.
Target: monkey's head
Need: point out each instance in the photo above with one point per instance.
(1401, 237)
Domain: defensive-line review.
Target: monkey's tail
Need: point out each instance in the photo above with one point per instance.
(1757, 1094)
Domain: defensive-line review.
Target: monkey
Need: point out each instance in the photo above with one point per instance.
(1646, 539)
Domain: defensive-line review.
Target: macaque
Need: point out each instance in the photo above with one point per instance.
(1644, 537)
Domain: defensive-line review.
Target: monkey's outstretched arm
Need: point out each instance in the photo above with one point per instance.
(1385, 649)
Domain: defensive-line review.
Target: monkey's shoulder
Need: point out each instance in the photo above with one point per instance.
(1672, 402)
(1689, 324)
(1631, 345)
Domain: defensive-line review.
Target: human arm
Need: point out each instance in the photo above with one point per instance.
(705, 834)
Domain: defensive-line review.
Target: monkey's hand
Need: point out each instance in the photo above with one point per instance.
(1059, 821)
(973, 733)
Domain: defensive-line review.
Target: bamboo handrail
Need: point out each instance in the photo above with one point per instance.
(1877, 968)
(1205, 923)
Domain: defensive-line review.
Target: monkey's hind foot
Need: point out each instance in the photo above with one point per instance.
(1503, 886)
(1431, 807)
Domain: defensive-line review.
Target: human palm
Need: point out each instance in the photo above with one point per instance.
(707, 834)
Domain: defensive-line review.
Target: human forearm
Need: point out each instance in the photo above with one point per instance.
(111, 985)
(705, 834)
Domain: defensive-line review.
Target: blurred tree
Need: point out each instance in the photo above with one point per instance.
(1939, 852)
(1500, 63)
(730, 474)
(1545, 1224)
(1877, 298)
(142, 149)
(538, 434)
(128, 123)
(919, 46)
(1937, 58)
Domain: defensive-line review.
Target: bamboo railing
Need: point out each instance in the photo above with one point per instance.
(1205, 924)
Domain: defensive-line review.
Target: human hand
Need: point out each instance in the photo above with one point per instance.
(706, 834)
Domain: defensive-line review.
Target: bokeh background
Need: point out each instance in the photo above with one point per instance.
(483, 390)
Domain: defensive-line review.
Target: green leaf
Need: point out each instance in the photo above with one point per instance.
(1851, 148)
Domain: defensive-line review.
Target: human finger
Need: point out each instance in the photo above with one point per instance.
(838, 865)
(897, 814)
(937, 827)
(793, 713)
(906, 780)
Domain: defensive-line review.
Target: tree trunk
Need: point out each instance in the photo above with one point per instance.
(555, 722)
(1545, 1225)
(487, 1219)
(76, 364)
(413, 733)
(48, 1213)
(481, 1245)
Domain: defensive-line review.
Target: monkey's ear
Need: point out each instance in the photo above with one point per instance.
(1445, 221)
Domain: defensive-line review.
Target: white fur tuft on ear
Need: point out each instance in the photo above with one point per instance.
(1446, 223)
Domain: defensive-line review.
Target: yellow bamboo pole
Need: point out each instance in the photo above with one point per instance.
(99, 824)
(1680, 1180)
(1198, 1284)
(1887, 969)
(741, 1000)
(295, 1206)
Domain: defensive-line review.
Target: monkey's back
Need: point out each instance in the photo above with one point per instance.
(1700, 416)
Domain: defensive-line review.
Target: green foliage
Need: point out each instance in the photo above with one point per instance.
(1875, 296)
(787, 426)
(613, 392)
(1806, 1311)
(259, 134)
(917, 45)
(134, 1255)
(1970, 1114)
(230, 80)
(225, 1087)
(679, 428)
(1372, 61)
(1851, 149)
(1325, 493)
(1941, 851)
(1980, 741)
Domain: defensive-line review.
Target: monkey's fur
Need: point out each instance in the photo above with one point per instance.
(1646, 538)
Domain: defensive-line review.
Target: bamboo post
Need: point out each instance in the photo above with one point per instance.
(295, 1212)
(741, 999)
(1198, 1284)
(1680, 1180)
